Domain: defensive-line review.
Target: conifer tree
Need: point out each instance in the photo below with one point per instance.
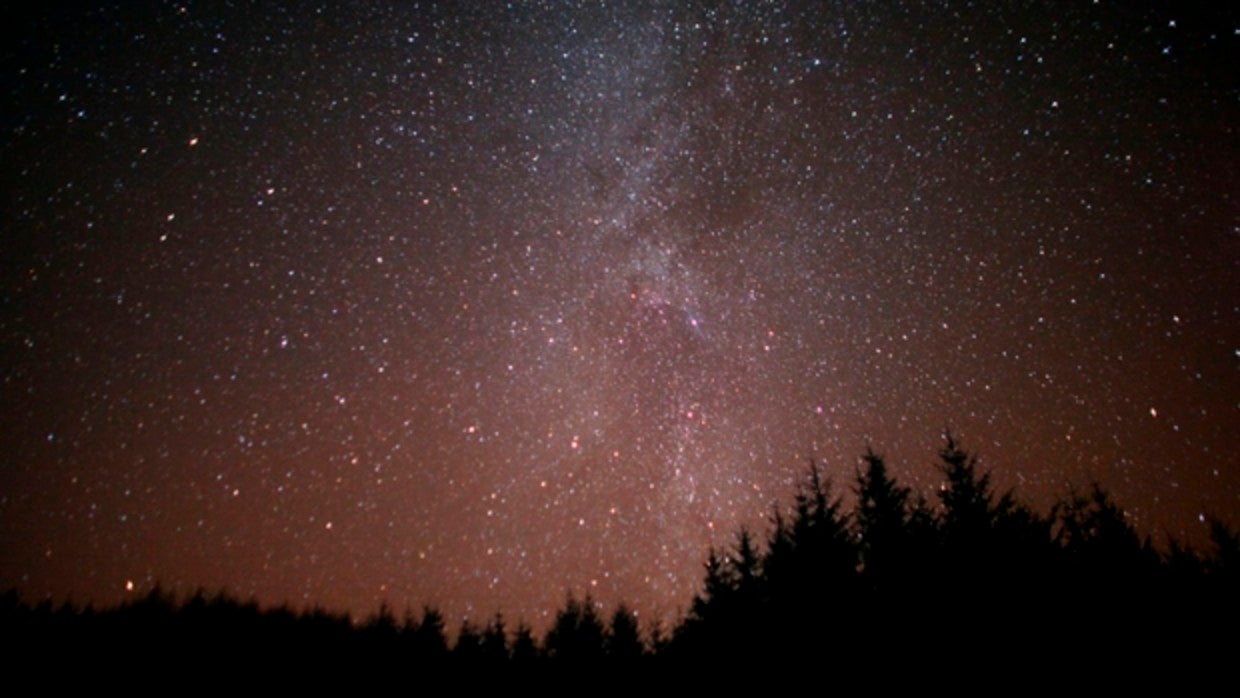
(716, 590)
(577, 635)
(623, 641)
(429, 638)
(524, 647)
(468, 648)
(969, 506)
(882, 519)
(495, 640)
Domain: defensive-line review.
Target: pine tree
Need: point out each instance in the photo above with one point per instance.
(468, 648)
(882, 519)
(623, 641)
(821, 537)
(495, 640)
(524, 647)
(969, 506)
(1099, 540)
(716, 590)
(810, 564)
(577, 635)
(429, 639)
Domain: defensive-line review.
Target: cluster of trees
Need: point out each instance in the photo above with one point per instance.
(974, 576)
(159, 627)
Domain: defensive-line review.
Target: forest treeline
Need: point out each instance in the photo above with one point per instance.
(973, 576)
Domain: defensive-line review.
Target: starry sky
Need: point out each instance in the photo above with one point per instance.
(474, 304)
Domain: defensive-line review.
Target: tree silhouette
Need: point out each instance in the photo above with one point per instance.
(495, 640)
(979, 581)
(756, 604)
(1104, 555)
(813, 550)
(468, 648)
(1225, 564)
(429, 640)
(969, 506)
(882, 522)
(524, 646)
(623, 641)
(577, 635)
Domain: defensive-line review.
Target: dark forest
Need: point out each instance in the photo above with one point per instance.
(971, 575)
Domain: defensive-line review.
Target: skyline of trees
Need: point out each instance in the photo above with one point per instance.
(976, 569)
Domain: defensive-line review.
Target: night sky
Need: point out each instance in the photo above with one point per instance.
(398, 301)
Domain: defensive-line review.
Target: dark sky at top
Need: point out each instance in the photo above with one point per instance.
(407, 302)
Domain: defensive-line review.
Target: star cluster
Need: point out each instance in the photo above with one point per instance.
(415, 303)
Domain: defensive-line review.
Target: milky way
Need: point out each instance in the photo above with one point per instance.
(396, 302)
